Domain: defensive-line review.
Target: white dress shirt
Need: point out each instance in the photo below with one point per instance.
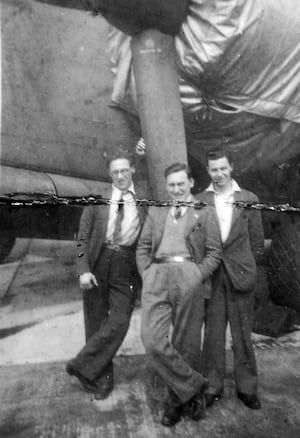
(224, 207)
(131, 222)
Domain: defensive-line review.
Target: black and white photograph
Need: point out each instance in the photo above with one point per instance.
(150, 219)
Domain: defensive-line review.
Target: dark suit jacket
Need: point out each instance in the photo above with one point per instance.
(244, 245)
(92, 232)
(202, 239)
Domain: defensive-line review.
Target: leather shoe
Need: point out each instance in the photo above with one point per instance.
(250, 400)
(173, 411)
(87, 384)
(210, 399)
(196, 406)
(104, 389)
(172, 415)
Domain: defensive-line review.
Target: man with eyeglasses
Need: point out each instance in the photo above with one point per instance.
(108, 276)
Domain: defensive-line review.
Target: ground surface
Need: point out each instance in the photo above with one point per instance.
(40, 400)
(41, 326)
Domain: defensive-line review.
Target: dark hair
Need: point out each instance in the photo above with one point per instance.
(219, 153)
(177, 167)
(120, 154)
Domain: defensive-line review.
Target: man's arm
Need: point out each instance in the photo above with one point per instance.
(83, 240)
(144, 246)
(87, 280)
(256, 231)
(213, 246)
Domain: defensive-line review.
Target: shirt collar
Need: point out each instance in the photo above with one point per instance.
(234, 188)
(117, 193)
(183, 207)
(189, 198)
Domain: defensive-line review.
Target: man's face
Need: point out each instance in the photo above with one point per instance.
(121, 173)
(179, 185)
(220, 172)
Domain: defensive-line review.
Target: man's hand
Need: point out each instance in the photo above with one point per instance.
(140, 147)
(87, 281)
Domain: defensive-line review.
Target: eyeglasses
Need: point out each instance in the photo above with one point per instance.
(123, 172)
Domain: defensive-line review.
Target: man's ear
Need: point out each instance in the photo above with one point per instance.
(133, 169)
(192, 181)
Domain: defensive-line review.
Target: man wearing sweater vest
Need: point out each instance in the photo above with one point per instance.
(232, 297)
(178, 250)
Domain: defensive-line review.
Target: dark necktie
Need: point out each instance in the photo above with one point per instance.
(118, 223)
(177, 213)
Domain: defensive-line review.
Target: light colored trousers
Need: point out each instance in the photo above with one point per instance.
(172, 295)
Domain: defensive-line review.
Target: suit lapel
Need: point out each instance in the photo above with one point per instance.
(192, 219)
(235, 215)
(142, 210)
(160, 220)
(101, 219)
(209, 198)
(236, 210)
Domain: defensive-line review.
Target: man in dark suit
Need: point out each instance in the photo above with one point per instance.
(178, 250)
(232, 297)
(108, 277)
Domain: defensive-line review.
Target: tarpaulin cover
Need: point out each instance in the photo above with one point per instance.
(233, 56)
(241, 53)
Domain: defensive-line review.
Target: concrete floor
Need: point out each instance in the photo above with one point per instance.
(41, 326)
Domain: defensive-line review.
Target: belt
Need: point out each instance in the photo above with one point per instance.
(170, 259)
(115, 247)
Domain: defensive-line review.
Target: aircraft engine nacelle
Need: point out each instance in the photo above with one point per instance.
(135, 16)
